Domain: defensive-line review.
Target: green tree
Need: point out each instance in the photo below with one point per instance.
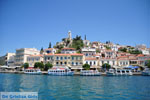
(106, 66)
(86, 66)
(50, 45)
(47, 66)
(107, 47)
(135, 52)
(148, 63)
(39, 65)
(77, 43)
(123, 49)
(26, 65)
(97, 51)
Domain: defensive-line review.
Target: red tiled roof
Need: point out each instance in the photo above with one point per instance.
(140, 55)
(73, 54)
(90, 59)
(35, 55)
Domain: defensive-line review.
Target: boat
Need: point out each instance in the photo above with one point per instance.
(90, 73)
(146, 72)
(60, 72)
(32, 71)
(119, 72)
(111, 72)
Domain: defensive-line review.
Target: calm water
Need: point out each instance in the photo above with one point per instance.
(78, 87)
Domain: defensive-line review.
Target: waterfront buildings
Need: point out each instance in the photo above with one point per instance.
(33, 59)
(93, 53)
(74, 60)
(23, 53)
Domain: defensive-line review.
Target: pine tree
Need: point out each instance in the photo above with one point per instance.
(41, 51)
(50, 45)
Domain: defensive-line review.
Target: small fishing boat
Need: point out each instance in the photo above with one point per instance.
(60, 72)
(90, 73)
(32, 71)
(146, 72)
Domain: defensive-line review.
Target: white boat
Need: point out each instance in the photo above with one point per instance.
(146, 72)
(32, 71)
(112, 72)
(60, 72)
(90, 73)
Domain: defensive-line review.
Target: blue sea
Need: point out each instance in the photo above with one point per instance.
(78, 87)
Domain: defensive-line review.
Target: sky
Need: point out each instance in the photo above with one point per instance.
(35, 23)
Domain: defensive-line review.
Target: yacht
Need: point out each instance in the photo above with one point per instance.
(146, 72)
(90, 73)
(60, 72)
(119, 72)
(32, 71)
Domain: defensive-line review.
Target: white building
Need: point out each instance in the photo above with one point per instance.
(88, 51)
(10, 59)
(145, 52)
(112, 62)
(123, 61)
(92, 61)
(23, 53)
(68, 50)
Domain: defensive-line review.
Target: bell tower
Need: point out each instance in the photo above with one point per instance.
(69, 35)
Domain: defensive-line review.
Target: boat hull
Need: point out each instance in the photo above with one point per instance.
(146, 73)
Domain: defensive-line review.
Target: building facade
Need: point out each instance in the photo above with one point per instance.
(23, 53)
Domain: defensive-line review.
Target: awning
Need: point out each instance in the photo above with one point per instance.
(132, 67)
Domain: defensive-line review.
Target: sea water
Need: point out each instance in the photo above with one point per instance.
(78, 87)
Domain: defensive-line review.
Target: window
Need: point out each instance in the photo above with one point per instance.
(72, 58)
(72, 63)
(65, 57)
(94, 62)
(48, 58)
(65, 63)
(57, 58)
(61, 63)
(90, 63)
(86, 62)
(76, 63)
(61, 58)
(68, 57)
(57, 63)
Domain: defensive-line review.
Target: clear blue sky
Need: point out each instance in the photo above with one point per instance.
(35, 23)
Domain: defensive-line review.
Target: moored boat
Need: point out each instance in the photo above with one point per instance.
(32, 71)
(60, 72)
(90, 73)
(119, 72)
(146, 72)
(111, 72)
